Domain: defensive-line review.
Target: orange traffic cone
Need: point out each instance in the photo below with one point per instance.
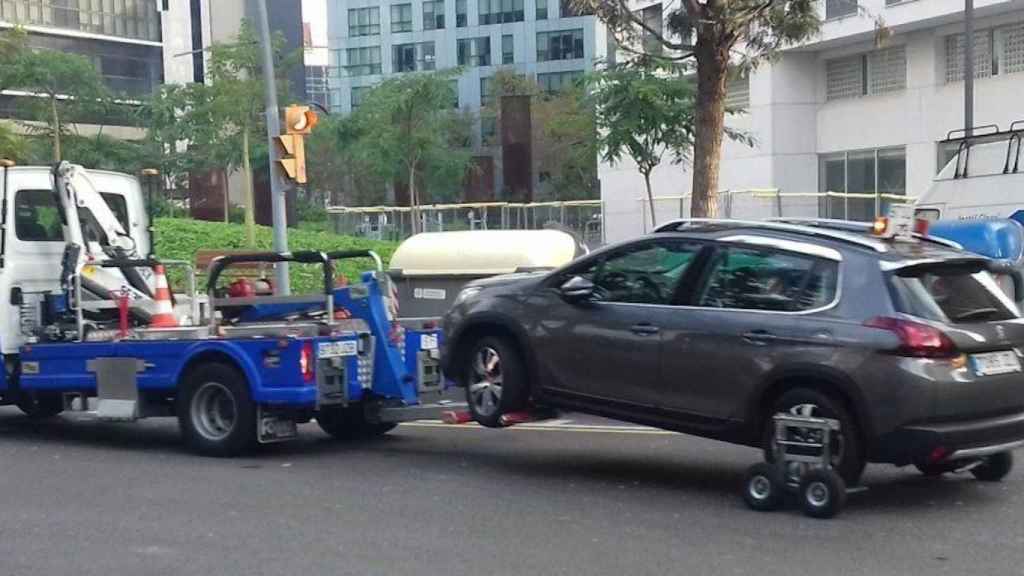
(163, 315)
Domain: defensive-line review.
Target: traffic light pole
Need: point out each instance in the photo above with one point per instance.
(278, 188)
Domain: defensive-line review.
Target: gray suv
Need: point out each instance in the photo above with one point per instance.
(711, 327)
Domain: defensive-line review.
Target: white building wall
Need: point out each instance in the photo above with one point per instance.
(793, 123)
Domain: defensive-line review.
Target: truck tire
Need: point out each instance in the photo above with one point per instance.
(349, 423)
(495, 378)
(215, 411)
(40, 406)
(848, 454)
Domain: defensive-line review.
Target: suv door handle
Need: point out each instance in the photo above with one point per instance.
(644, 329)
(759, 337)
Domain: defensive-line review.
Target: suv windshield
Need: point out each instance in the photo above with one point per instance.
(955, 294)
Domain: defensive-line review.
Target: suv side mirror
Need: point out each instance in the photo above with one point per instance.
(577, 289)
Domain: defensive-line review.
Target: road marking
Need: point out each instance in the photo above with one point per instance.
(546, 427)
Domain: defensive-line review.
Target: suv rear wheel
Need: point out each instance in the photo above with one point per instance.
(495, 378)
(847, 453)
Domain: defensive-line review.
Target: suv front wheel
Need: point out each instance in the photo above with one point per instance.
(495, 379)
(847, 453)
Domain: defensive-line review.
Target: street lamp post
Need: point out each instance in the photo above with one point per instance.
(277, 181)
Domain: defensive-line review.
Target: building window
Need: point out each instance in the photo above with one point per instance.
(552, 82)
(316, 85)
(996, 51)
(358, 95)
(461, 18)
(412, 57)
(401, 17)
(488, 129)
(364, 21)
(499, 11)
(561, 45)
(508, 52)
(138, 19)
(453, 84)
(486, 92)
(839, 8)
(363, 61)
(474, 51)
(568, 9)
(737, 92)
(652, 18)
(878, 72)
(542, 9)
(433, 15)
(864, 183)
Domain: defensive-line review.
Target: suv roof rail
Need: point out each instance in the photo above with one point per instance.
(855, 226)
(808, 229)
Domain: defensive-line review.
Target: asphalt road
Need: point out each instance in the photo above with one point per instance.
(85, 498)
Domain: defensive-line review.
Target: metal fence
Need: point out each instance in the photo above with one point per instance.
(756, 204)
(582, 217)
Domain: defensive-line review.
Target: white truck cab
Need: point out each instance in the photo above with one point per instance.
(983, 180)
(32, 241)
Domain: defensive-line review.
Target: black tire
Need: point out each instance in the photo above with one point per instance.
(848, 453)
(215, 411)
(40, 406)
(495, 378)
(764, 487)
(822, 493)
(995, 467)
(349, 423)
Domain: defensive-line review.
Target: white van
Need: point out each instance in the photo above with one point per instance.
(984, 180)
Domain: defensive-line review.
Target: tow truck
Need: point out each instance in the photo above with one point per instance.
(82, 335)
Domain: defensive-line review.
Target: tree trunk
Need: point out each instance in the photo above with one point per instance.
(650, 199)
(413, 212)
(712, 68)
(56, 129)
(250, 200)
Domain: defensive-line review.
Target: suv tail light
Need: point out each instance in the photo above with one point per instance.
(306, 361)
(916, 339)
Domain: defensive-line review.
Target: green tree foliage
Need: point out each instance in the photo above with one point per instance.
(408, 130)
(66, 90)
(199, 127)
(644, 111)
(337, 173)
(715, 34)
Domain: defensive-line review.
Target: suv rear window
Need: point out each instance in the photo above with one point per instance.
(952, 294)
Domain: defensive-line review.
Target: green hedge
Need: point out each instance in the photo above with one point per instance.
(181, 239)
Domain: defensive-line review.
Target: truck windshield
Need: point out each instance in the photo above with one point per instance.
(952, 294)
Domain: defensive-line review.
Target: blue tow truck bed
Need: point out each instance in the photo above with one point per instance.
(262, 365)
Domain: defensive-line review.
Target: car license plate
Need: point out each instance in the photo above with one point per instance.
(428, 342)
(992, 363)
(336, 349)
(274, 429)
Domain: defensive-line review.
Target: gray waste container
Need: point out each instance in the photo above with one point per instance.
(430, 269)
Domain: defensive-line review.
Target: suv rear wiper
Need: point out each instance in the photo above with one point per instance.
(972, 314)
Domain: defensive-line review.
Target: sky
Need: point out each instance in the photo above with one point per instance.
(315, 12)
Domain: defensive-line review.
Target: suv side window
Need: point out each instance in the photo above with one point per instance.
(752, 279)
(645, 273)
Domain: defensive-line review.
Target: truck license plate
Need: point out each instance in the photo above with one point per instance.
(995, 363)
(336, 349)
(273, 429)
(428, 342)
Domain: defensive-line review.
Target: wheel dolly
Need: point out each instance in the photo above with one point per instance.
(801, 464)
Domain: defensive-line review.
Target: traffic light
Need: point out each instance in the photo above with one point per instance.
(298, 121)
